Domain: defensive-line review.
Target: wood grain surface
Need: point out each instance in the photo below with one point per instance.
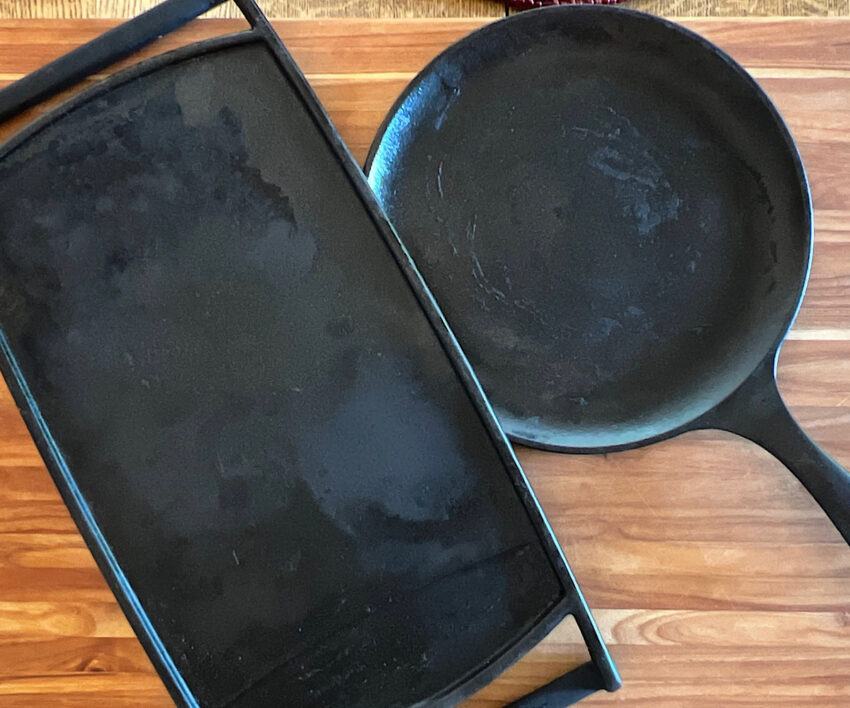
(715, 578)
(78, 9)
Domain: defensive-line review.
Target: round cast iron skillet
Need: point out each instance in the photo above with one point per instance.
(617, 225)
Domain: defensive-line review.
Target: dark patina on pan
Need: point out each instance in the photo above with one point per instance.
(617, 225)
(251, 404)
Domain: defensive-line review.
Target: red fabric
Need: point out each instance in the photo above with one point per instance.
(529, 4)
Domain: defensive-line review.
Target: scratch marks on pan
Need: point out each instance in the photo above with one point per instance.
(452, 243)
(529, 307)
(471, 228)
(626, 156)
(452, 96)
(483, 283)
(611, 163)
(584, 132)
(440, 180)
(477, 270)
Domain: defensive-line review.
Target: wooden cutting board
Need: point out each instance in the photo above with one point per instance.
(715, 578)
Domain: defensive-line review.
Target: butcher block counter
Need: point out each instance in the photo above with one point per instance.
(715, 578)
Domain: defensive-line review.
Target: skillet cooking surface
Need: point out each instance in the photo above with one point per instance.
(610, 214)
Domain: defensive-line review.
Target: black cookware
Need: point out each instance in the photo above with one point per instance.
(253, 408)
(617, 225)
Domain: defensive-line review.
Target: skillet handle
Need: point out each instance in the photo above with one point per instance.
(756, 411)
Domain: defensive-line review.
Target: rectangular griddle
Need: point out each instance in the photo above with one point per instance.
(252, 406)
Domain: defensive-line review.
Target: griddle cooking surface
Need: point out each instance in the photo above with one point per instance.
(244, 391)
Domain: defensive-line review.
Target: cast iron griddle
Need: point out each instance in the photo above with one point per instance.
(252, 407)
(616, 223)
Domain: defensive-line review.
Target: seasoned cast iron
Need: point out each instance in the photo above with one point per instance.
(617, 225)
(251, 404)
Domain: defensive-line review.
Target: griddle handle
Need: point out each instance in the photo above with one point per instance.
(99, 53)
(757, 412)
(598, 674)
(564, 690)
